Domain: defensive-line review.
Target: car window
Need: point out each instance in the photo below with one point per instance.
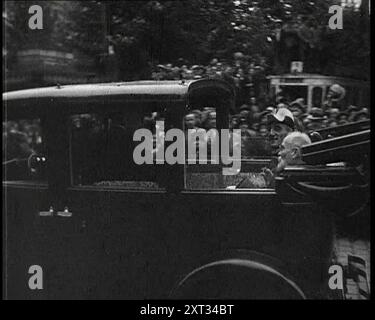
(102, 149)
(24, 151)
(207, 166)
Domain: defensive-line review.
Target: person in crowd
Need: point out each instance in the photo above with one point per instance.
(352, 111)
(262, 117)
(316, 118)
(333, 114)
(211, 120)
(362, 115)
(234, 122)
(335, 97)
(281, 123)
(246, 136)
(254, 107)
(332, 123)
(342, 118)
(298, 108)
(263, 131)
(204, 116)
(191, 121)
(254, 126)
(245, 112)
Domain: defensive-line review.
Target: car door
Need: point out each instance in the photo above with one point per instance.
(27, 211)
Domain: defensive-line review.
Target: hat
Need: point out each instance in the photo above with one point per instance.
(343, 113)
(282, 105)
(196, 112)
(316, 114)
(363, 111)
(197, 67)
(282, 115)
(299, 104)
(245, 107)
(334, 110)
(352, 108)
(281, 99)
(243, 120)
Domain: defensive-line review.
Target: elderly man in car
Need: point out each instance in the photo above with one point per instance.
(289, 155)
(290, 150)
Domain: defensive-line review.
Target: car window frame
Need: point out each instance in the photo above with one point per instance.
(172, 108)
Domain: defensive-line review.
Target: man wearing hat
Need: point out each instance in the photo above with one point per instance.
(297, 107)
(281, 124)
(361, 115)
(352, 111)
(315, 119)
(245, 111)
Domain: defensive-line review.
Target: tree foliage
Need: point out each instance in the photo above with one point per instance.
(146, 33)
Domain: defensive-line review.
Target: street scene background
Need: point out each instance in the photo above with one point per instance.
(243, 42)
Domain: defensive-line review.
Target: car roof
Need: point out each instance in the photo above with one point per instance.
(133, 88)
(84, 97)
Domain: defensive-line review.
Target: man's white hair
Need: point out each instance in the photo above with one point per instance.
(297, 139)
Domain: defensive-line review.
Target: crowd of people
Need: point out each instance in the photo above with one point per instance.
(24, 136)
(251, 117)
(254, 120)
(21, 138)
(331, 114)
(238, 71)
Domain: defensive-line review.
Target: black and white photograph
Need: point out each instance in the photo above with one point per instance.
(209, 151)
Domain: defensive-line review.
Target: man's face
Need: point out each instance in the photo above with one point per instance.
(255, 126)
(334, 114)
(190, 121)
(212, 120)
(277, 134)
(288, 155)
(296, 112)
(234, 123)
(314, 125)
(244, 113)
(244, 126)
(263, 131)
(254, 109)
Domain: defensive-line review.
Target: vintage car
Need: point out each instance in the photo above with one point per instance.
(102, 227)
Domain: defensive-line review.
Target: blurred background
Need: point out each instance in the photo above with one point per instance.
(241, 40)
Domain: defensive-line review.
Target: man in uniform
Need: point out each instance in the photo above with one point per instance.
(281, 124)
